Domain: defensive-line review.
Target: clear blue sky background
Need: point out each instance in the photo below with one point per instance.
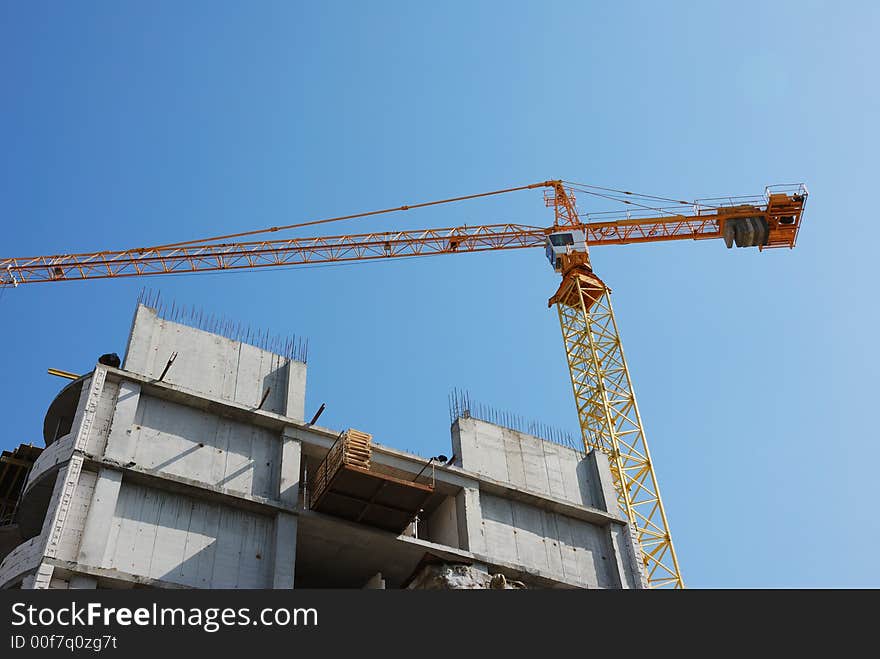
(129, 124)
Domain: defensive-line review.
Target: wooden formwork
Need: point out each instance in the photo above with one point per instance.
(14, 469)
(352, 448)
(346, 485)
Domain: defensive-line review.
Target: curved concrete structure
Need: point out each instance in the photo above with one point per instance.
(52, 456)
(37, 491)
(35, 503)
(62, 410)
(20, 562)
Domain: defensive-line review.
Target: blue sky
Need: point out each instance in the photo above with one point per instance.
(130, 124)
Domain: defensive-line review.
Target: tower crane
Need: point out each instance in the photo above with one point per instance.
(608, 415)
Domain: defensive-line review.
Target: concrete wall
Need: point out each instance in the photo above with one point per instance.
(596, 552)
(215, 365)
(572, 550)
(442, 525)
(175, 439)
(524, 461)
(182, 540)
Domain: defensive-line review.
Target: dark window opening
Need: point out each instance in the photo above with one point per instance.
(561, 239)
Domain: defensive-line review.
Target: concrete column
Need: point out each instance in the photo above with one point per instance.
(634, 556)
(99, 518)
(295, 404)
(443, 524)
(87, 412)
(618, 568)
(59, 505)
(140, 351)
(285, 550)
(470, 520)
(82, 582)
(120, 445)
(289, 466)
(82, 406)
(629, 568)
(603, 490)
(479, 448)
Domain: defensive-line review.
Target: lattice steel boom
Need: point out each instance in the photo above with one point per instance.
(778, 215)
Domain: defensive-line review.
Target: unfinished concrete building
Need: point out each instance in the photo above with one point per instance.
(191, 465)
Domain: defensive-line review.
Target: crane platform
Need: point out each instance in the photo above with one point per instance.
(346, 484)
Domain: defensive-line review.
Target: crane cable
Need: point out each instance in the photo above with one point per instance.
(582, 187)
(624, 201)
(353, 216)
(398, 209)
(627, 192)
(634, 194)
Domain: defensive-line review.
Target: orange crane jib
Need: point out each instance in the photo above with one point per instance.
(764, 221)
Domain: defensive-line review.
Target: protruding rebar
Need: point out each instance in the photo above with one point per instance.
(462, 406)
(291, 347)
